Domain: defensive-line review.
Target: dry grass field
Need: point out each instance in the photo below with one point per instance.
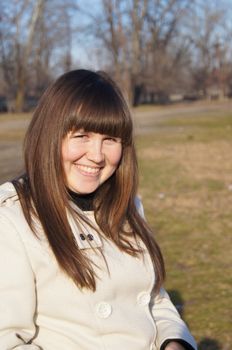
(12, 130)
(186, 186)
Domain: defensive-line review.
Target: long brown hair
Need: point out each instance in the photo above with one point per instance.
(93, 102)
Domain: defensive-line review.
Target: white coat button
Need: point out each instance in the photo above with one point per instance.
(143, 298)
(103, 310)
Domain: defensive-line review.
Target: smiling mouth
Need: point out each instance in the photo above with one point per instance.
(86, 170)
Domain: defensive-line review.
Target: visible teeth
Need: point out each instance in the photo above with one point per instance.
(87, 169)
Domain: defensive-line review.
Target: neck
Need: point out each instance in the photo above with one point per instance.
(83, 201)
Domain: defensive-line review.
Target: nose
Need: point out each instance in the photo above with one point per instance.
(95, 152)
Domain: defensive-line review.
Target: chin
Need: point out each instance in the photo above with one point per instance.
(84, 190)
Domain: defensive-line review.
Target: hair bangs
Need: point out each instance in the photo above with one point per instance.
(101, 111)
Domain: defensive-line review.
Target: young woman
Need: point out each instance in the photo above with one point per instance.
(79, 267)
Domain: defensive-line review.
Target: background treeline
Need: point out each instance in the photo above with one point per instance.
(157, 50)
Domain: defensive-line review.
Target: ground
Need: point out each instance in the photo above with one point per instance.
(185, 165)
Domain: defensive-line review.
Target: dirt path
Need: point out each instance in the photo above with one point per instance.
(11, 124)
(145, 118)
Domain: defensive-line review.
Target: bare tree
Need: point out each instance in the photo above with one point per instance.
(12, 45)
(23, 56)
(35, 40)
(138, 35)
(156, 47)
(151, 47)
(210, 40)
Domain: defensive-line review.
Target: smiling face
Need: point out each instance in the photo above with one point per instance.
(89, 159)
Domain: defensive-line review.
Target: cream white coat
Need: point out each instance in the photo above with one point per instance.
(41, 308)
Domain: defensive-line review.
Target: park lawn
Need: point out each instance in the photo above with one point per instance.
(186, 187)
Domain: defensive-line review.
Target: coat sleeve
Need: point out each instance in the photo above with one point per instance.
(168, 322)
(17, 291)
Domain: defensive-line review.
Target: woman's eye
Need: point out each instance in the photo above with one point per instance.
(80, 136)
(112, 139)
(109, 140)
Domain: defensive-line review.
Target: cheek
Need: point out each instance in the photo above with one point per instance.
(115, 156)
(70, 152)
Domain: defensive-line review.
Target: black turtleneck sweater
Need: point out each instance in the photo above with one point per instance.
(83, 201)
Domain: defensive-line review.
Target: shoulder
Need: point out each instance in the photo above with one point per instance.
(14, 228)
(8, 195)
(10, 207)
(10, 215)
